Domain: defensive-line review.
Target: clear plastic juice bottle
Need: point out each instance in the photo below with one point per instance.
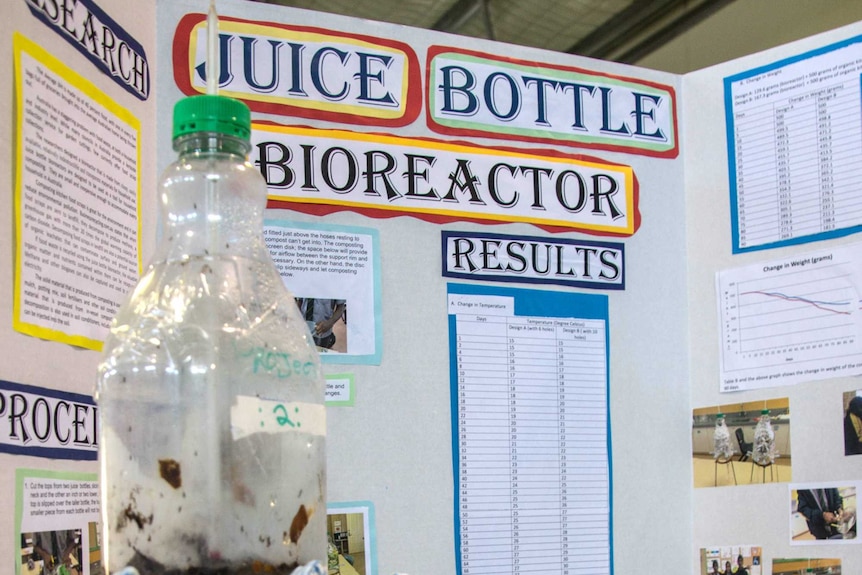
(210, 391)
(722, 448)
(764, 451)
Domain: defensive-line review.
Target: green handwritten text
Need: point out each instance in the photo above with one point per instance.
(279, 363)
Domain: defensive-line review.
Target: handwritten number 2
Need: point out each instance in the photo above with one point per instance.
(282, 417)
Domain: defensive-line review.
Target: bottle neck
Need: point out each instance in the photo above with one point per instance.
(211, 200)
(199, 143)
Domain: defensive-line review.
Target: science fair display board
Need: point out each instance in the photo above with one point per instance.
(508, 196)
(774, 256)
(523, 253)
(77, 206)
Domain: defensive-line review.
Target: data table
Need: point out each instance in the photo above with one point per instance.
(798, 166)
(532, 445)
(795, 138)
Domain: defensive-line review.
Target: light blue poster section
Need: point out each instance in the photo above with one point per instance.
(334, 265)
(531, 438)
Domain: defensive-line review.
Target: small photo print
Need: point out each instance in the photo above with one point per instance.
(52, 552)
(351, 547)
(853, 422)
(823, 513)
(818, 566)
(736, 560)
(320, 263)
(741, 443)
(327, 322)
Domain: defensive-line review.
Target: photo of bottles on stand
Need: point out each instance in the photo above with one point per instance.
(742, 443)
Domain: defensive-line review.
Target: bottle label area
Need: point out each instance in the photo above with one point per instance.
(251, 415)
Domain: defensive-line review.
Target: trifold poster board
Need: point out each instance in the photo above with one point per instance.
(552, 274)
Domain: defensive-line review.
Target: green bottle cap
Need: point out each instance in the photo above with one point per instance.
(210, 113)
(764, 412)
(720, 415)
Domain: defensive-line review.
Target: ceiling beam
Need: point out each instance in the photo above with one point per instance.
(680, 25)
(644, 27)
(457, 15)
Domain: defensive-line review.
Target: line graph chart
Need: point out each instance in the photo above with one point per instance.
(837, 307)
(789, 321)
(792, 313)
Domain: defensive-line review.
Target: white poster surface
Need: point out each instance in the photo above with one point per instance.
(791, 320)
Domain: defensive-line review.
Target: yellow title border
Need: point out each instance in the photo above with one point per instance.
(23, 45)
(626, 171)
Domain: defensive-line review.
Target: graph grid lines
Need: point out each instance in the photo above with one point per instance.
(790, 317)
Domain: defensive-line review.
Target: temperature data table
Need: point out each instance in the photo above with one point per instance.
(794, 140)
(532, 445)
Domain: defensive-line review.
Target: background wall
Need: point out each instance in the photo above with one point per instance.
(747, 26)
